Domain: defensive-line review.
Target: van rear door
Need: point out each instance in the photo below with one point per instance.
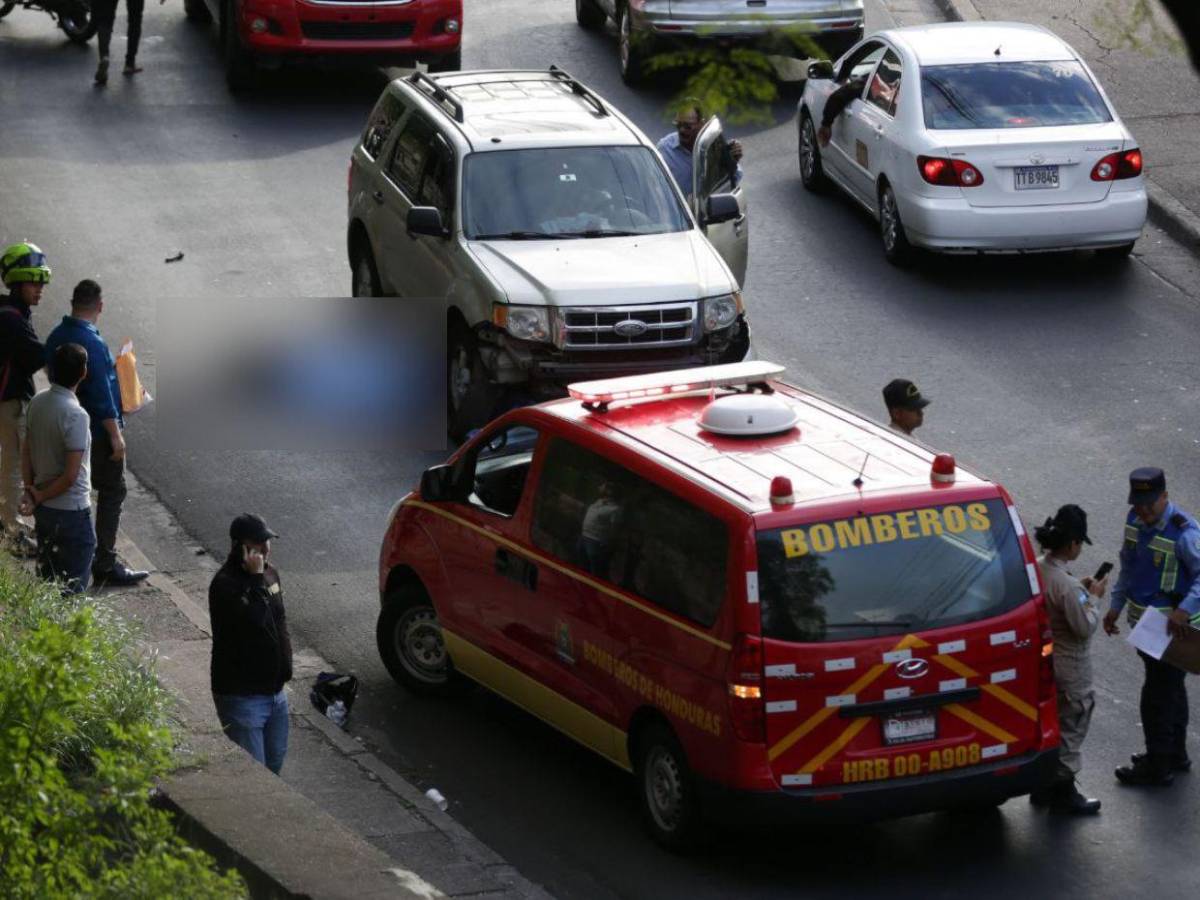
(899, 643)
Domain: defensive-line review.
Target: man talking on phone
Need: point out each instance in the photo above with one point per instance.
(252, 652)
(1160, 567)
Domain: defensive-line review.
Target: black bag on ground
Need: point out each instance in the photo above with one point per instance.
(332, 687)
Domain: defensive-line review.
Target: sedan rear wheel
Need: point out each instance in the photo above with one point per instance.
(896, 248)
(1115, 254)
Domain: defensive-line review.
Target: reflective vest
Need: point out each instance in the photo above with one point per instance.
(1156, 577)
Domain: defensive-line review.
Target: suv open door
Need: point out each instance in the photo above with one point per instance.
(714, 173)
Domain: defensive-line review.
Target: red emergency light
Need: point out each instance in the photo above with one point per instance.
(942, 471)
(781, 491)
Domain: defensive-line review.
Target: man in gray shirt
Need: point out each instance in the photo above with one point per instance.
(54, 464)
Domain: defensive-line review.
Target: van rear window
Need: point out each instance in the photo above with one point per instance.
(890, 573)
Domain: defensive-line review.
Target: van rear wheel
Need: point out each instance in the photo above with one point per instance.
(667, 789)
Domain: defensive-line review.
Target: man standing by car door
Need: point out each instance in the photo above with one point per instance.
(100, 395)
(676, 147)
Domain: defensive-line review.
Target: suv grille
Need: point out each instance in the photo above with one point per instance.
(356, 31)
(614, 327)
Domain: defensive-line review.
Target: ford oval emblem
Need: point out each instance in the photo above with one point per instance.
(630, 328)
(912, 668)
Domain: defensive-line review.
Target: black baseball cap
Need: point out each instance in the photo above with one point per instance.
(1073, 521)
(1146, 485)
(902, 393)
(249, 527)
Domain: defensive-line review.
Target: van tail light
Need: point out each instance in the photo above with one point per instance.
(949, 172)
(1125, 164)
(745, 678)
(1046, 686)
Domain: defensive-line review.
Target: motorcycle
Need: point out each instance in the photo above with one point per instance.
(74, 16)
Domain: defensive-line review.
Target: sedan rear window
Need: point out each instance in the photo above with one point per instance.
(1010, 95)
(890, 573)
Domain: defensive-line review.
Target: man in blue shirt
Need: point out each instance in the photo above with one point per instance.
(100, 395)
(676, 148)
(1160, 567)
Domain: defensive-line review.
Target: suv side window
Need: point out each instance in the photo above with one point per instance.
(388, 111)
(885, 86)
(622, 528)
(718, 169)
(408, 159)
(437, 184)
(499, 468)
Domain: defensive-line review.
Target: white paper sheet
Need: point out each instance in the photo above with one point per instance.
(1150, 635)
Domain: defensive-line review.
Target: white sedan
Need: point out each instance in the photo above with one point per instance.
(969, 137)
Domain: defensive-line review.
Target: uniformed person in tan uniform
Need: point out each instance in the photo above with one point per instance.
(1074, 609)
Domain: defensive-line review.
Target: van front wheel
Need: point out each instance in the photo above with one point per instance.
(667, 789)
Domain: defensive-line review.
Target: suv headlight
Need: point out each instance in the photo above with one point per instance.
(721, 312)
(528, 323)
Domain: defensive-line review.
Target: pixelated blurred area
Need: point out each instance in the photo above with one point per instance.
(340, 373)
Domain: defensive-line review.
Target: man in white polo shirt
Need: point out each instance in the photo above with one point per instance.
(54, 465)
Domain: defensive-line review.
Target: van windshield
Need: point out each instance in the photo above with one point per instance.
(568, 192)
(890, 573)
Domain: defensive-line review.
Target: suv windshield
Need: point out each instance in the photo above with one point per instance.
(891, 573)
(1010, 95)
(577, 192)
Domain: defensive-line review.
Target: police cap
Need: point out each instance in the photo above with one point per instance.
(1146, 485)
(249, 527)
(902, 393)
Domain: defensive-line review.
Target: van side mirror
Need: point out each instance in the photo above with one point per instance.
(820, 70)
(437, 484)
(721, 208)
(426, 220)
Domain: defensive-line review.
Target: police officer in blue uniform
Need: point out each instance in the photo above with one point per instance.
(1160, 567)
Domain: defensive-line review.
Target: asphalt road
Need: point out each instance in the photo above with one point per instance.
(1053, 375)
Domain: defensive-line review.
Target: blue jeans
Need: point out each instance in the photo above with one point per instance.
(258, 723)
(66, 545)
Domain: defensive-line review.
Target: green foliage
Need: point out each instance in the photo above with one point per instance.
(737, 82)
(83, 735)
(1139, 25)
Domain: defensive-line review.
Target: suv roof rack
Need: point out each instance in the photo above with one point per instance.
(579, 88)
(438, 93)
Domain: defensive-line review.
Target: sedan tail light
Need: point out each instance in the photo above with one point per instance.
(1124, 164)
(949, 172)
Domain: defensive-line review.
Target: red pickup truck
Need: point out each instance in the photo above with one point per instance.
(267, 33)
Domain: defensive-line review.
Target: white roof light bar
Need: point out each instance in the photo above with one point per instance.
(661, 384)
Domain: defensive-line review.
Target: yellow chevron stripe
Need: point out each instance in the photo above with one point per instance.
(1012, 700)
(849, 734)
(981, 723)
(551, 564)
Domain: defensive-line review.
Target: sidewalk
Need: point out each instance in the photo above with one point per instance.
(338, 823)
(1156, 91)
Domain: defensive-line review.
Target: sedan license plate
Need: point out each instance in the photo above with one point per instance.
(909, 727)
(1035, 178)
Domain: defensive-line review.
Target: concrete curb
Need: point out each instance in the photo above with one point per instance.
(1165, 211)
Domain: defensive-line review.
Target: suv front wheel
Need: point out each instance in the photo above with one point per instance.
(470, 394)
(364, 275)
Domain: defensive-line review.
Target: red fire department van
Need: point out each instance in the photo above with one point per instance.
(761, 604)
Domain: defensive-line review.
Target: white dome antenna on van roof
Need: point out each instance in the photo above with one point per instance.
(597, 395)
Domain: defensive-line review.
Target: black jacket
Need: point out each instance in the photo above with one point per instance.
(21, 353)
(252, 651)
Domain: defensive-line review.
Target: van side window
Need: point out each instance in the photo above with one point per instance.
(624, 529)
(499, 468)
(388, 111)
(408, 159)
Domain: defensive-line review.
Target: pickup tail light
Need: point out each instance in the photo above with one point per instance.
(745, 677)
(1115, 166)
(947, 172)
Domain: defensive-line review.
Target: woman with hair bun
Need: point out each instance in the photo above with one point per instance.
(1074, 609)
